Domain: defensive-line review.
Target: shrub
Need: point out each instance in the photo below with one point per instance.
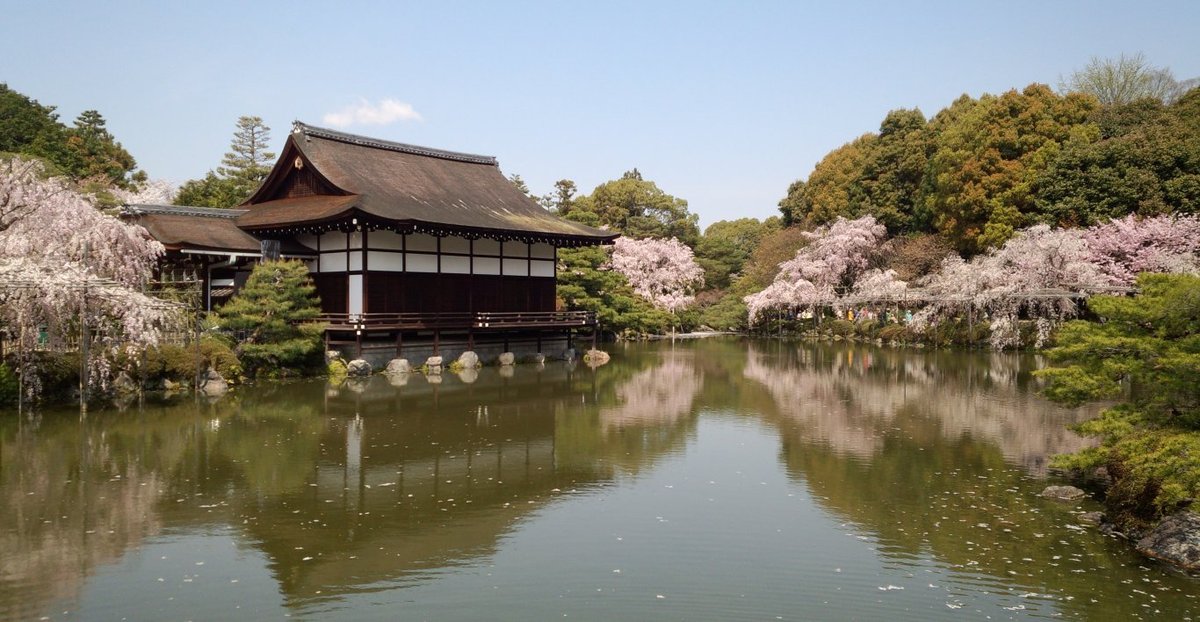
(178, 362)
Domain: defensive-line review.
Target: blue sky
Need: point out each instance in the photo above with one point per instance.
(721, 103)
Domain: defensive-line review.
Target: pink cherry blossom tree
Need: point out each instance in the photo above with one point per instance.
(834, 258)
(663, 271)
(64, 265)
(1041, 272)
(1124, 247)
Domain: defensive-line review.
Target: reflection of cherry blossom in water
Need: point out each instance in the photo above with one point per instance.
(854, 401)
(657, 396)
(51, 545)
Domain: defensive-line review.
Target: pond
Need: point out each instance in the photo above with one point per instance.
(702, 480)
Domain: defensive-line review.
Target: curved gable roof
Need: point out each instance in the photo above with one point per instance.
(400, 184)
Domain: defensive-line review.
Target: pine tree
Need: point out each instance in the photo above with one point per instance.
(248, 160)
(273, 316)
(242, 170)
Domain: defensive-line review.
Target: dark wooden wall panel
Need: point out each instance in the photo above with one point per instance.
(331, 288)
(396, 292)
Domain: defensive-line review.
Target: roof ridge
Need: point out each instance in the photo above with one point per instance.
(137, 209)
(299, 127)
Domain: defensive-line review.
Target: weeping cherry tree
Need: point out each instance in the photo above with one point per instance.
(835, 257)
(65, 266)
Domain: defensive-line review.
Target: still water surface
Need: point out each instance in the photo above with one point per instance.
(710, 480)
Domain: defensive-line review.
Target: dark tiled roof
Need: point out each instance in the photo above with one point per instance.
(299, 210)
(201, 228)
(406, 185)
(180, 227)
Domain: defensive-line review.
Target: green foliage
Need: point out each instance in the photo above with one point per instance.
(639, 209)
(181, 362)
(1150, 343)
(584, 285)
(211, 191)
(979, 183)
(773, 248)
(727, 245)
(29, 128)
(94, 155)
(1146, 349)
(87, 152)
(273, 316)
(1139, 158)
(727, 313)
(877, 174)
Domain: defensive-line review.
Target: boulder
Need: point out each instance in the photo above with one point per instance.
(433, 365)
(1176, 540)
(1094, 518)
(332, 355)
(538, 359)
(507, 358)
(468, 360)
(398, 366)
(214, 383)
(124, 385)
(1063, 493)
(358, 368)
(596, 358)
(170, 385)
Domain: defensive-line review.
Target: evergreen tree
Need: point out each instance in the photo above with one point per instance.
(242, 170)
(94, 156)
(87, 152)
(637, 208)
(1146, 350)
(248, 162)
(273, 317)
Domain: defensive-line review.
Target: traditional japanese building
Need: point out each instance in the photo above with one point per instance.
(403, 242)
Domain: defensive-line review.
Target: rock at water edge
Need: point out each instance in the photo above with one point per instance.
(596, 358)
(507, 358)
(468, 360)
(358, 368)
(398, 366)
(1063, 493)
(214, 383)
(1175, 540)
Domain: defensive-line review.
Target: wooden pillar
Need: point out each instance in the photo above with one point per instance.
(437, 342)
(399, 342)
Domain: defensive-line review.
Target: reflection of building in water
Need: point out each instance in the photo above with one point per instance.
(852, 397)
